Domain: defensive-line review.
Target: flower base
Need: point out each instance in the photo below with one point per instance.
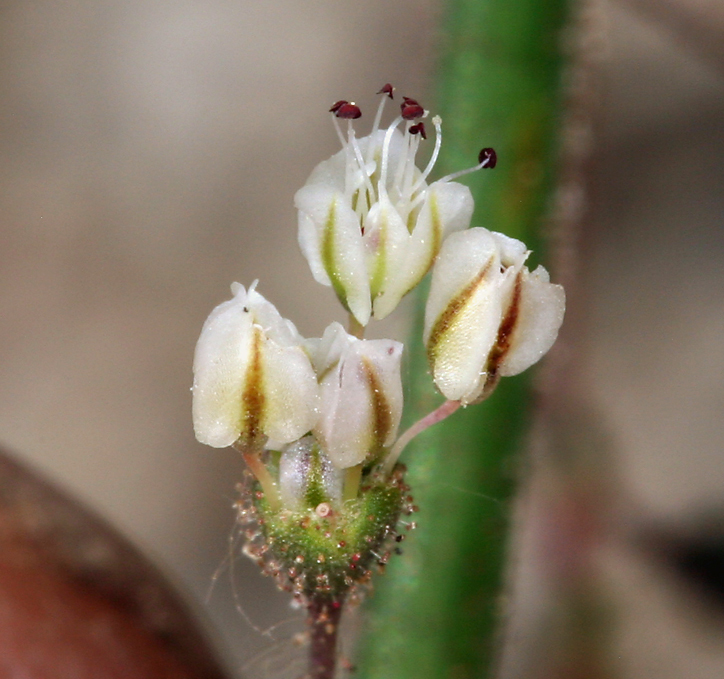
(326, 550)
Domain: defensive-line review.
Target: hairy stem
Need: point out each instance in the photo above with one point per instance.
(323, 616)
(258, 468)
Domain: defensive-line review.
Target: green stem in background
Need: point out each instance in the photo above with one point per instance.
(437, 611)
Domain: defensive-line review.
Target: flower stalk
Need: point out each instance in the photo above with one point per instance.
(324, 615)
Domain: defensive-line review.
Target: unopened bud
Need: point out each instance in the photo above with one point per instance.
(487, 316)
(252, 379)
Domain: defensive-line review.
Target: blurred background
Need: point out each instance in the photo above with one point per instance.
(150, 154)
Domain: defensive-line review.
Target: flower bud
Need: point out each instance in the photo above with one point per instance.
(307, 476)
(370, 225)
(361, 395)
(252, 378)
(487, 316)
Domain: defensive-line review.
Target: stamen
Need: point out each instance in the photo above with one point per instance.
(437, 122)
(382, 184)
(337, 129)
(349, 162)
(418, 128)
(488, 159)
(410, 109)
(347, 110)
(403, 163)
(388, 90)
(363, 169)
(337, 105)
(405, 182)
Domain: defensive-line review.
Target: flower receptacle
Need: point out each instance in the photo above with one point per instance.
(329, 550)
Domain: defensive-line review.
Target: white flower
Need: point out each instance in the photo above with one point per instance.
(361, 395)
(252, 378)
(369, 224)
(487, 316)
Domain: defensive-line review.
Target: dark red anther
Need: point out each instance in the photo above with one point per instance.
(388, 90)
(348, 111)
(488, 158)
(418, 128)
(411, 110)
(338, 105)
(408, 100)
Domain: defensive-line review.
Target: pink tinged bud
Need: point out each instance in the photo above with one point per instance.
(361, 396)
(252, 379)
(487, 315)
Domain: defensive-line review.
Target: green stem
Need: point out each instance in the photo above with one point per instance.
(436, 612)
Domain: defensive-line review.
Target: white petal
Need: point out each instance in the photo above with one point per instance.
(334, 246)
(330, 172)
(463, 312)
(448, 207)
(345, 422)
(327, 350)
(541, 309)
(291, 392)
(308, 236)
(386, 238)
(285, 383)
(512, 251)
(220, 363)
(265, 314)
(361, 401)
(385, 357)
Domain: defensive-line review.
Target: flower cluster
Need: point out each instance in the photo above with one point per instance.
(317, 419)
(369, 223)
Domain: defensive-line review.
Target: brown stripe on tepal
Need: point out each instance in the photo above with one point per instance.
(505, 332)
(381, 417)
(253, 398)
(446, 319)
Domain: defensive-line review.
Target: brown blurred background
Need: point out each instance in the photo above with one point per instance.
(150, 154)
